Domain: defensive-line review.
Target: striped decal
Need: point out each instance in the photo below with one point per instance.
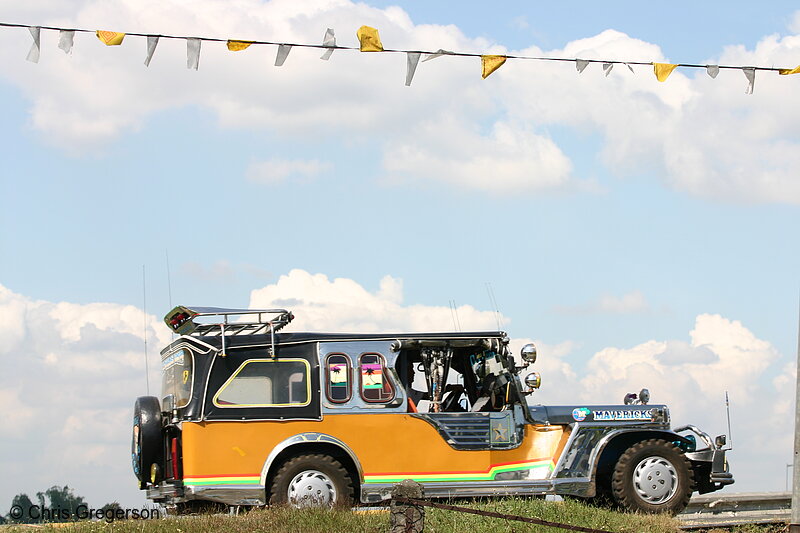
(252, 479)
(547, 465)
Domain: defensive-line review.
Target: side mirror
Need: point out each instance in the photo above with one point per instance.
(721, 440)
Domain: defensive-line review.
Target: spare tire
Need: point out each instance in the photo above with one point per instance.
(147, 444)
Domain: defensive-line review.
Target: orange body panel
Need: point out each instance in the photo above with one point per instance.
(388, 446)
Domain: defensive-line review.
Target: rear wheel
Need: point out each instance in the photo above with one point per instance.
(313, 480)
(652, 476)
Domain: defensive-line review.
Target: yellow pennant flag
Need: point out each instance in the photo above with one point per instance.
(663, 70)
(491, 63)
(110, 38)
(236, 46)
(369, 39)
(785, 71)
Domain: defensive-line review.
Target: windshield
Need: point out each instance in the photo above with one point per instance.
(177, 376)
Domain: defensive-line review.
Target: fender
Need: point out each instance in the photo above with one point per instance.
(584, 451)
(309, 438)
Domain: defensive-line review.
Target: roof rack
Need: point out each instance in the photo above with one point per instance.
(182, 321)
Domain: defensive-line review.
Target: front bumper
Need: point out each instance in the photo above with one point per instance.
(710, 465)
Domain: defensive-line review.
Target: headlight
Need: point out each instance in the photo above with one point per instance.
(533, 380)
(528, 353)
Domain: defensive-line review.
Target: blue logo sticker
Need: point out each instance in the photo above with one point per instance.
(580, 414)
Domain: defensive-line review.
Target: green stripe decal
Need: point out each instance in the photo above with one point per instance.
(222, 480)
(545, 466)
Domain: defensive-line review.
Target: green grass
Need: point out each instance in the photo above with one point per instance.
(282, 520)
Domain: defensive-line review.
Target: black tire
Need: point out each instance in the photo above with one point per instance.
(652, 476)
(315, 480)
(147, 443)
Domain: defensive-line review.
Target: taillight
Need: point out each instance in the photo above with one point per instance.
(174, 450)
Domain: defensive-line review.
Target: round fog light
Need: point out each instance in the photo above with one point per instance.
(533, 380)
(528, 353)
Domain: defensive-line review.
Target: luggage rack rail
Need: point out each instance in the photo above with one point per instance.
(229, 322)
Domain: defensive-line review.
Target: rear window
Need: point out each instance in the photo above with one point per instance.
(267, 383)
(177, 376)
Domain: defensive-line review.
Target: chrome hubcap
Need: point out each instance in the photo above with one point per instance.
(311, 488)
(655, 480)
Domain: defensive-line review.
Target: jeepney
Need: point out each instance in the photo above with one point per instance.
(252, 415)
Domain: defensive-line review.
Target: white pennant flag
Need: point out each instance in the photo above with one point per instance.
(152, 42)
(750, 74)
(629, 67)
(193, 53)
(581, 65)
(712, 70)
(283, 53)
(607, 68)
(65, 40)
(33, 54)
(437, 53)
(412, 59)
(328, 40)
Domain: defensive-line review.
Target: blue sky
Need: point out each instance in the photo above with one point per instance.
(614, 217)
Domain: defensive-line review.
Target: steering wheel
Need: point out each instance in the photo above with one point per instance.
(450, 403)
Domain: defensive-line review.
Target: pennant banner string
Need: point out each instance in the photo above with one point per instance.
(328, 46)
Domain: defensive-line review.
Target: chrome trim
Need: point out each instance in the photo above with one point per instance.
(702, 434)
(577, 486)
(374, 492)
(305, 438)
(228, 494)
(356, 403)
(185, 340)
(165, 492)
(455, 337)
(574, 430)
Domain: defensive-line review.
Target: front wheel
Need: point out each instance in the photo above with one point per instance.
(313, 480)
(653, 476)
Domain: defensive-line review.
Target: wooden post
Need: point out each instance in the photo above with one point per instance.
(407, 518)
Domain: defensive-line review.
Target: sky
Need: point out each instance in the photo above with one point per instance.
(643, 234)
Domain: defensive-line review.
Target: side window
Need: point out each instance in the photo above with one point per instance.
(337, 377)
(375, 385)
(267, 383)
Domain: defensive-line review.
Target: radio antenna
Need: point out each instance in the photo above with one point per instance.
(454, 314)
(493, 303)
(144, 313)
(728, 410)
(169, 286)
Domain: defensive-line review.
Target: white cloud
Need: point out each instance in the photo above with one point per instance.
(277, 170)
(520, 22)
(632, 302)
(701, 136)
(69, 374)
(343, 305)
(509, 158)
